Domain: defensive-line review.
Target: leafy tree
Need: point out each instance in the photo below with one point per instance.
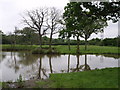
(95, 41)
(1, 33)
(28, 34)
(64, 33)
(84, 18)
(73, 26)
(90, 27)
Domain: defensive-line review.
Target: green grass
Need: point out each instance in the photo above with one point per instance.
(63, 49)
(3, 85)
(104, 78)
(91, 49)
(18, 47)
(0, 84)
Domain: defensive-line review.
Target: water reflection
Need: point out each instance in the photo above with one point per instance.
(115, 56)
(76, 69)
(40, 66)
(41, 69)
(50, 63)
(87, 67)
(42, 72)
(84, 67)
(3, 56)
(13, 62)
(16, 66)
(68, 63)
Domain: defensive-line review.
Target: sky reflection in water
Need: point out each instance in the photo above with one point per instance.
(40, 66)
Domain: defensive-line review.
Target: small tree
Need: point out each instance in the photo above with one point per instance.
(29, 35)
(53, 24)
(92, 26)
(73, 25)
(64, 33)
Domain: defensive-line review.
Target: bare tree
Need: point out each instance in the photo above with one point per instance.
(35, 19)
(53, 24)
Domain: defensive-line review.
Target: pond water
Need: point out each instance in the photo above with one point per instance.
(28, 65)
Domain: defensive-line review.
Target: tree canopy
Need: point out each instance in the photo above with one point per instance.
(84, 18)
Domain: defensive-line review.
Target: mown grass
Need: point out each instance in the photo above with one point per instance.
(63, 49)
(104, 78)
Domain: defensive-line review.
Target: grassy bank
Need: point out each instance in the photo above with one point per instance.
(100, 78)
(91, 49)
(18, 47)
(63, 49)
(104, 78)
(0, 84)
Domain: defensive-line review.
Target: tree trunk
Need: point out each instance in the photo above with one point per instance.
(31, 41)
(15, 39)
(85, 43)
(78, 42)
(50, 42)
(40, 40)
(69, 44)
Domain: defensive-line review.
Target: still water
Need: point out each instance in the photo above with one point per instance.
(28, 65)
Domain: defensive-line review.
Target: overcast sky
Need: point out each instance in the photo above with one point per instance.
(10, 11)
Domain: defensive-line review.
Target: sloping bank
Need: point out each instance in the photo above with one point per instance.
(99, 78)
(104, 78)
(63, 49)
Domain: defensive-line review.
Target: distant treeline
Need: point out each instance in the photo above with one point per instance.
(32, 39)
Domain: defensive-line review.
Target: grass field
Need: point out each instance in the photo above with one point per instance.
(104, 78)
(90, 50)
(18, 47)
(63, 49)
(0, 84)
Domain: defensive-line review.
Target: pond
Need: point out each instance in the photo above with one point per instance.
(31, 66)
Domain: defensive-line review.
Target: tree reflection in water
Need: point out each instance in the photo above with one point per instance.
(16, 66)
(43, 71)
(86, 66)
(68, 63)
(50, 63)
(40, 66)
(79, 67)
(2, 57)
(13, 62)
